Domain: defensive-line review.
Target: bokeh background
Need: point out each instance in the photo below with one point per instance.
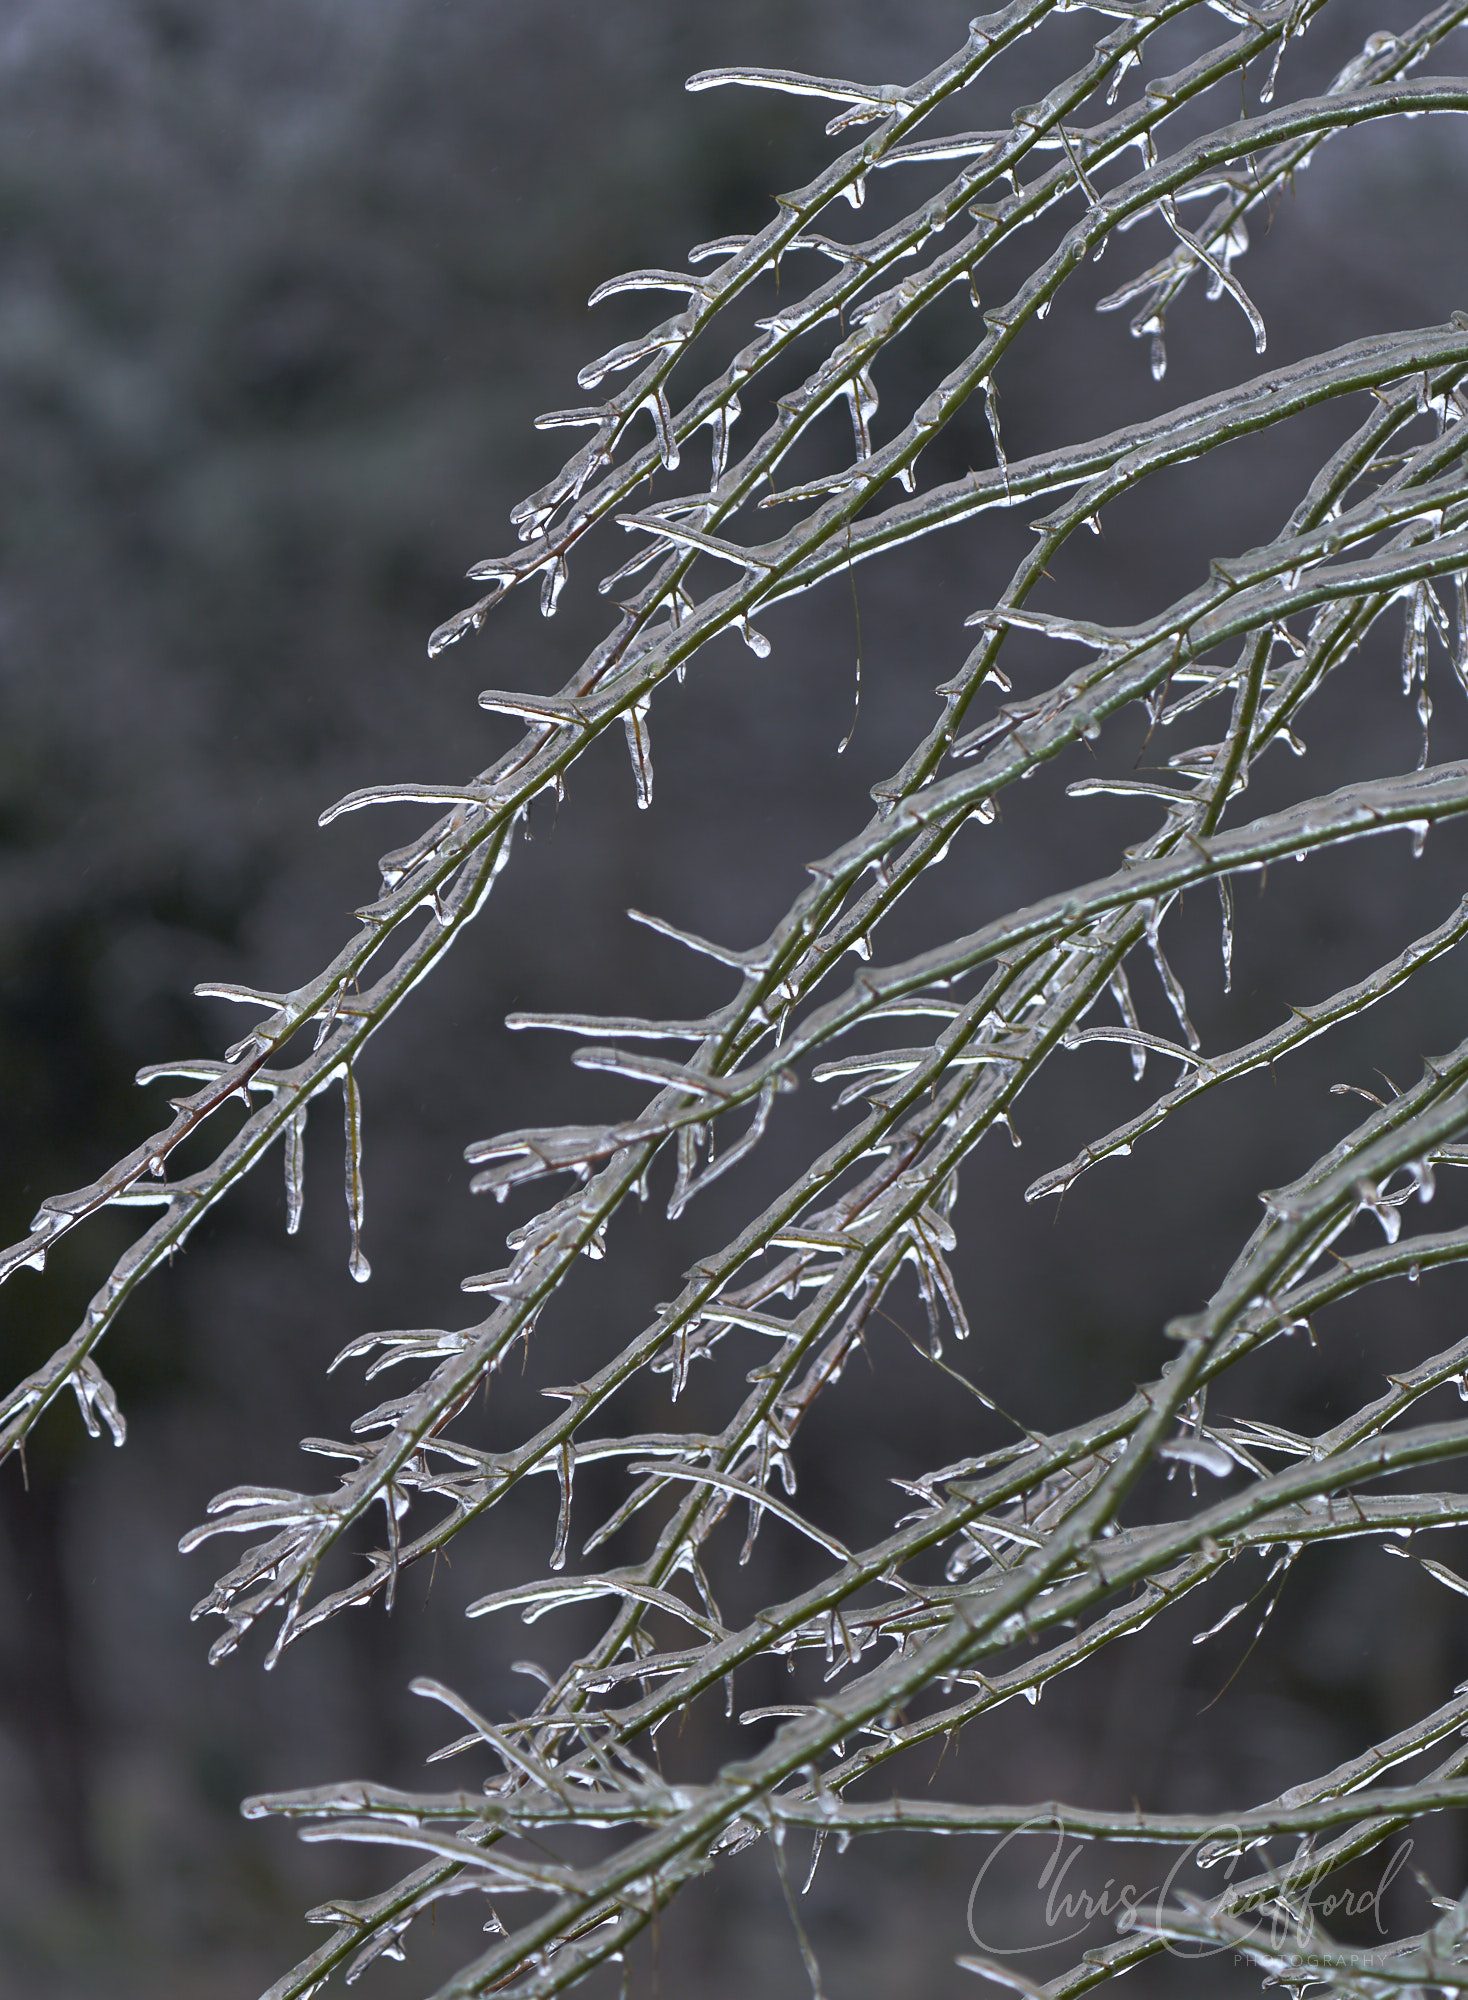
(281, 288)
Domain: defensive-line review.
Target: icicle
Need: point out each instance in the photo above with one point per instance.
(552, 583)
(295, 1166)
(930, 1236)
(96, 1399)
(1211, 1631)
(721, 421)
(1414, 642)
(1152, 325)
(1424, 716)
(1126, 1006)
(357, 1264)
(991, 411)
(861, 397)
(662, 423)
(639, 749)
(565, 1466)
(845, 744)
(1170, 982)
(1127, 59)
(1226, 908)
(686, 1186)
(679, 606)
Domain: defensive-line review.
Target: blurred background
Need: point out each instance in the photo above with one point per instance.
(281, 289)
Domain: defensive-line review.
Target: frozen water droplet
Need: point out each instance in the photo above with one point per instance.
(757, 643)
